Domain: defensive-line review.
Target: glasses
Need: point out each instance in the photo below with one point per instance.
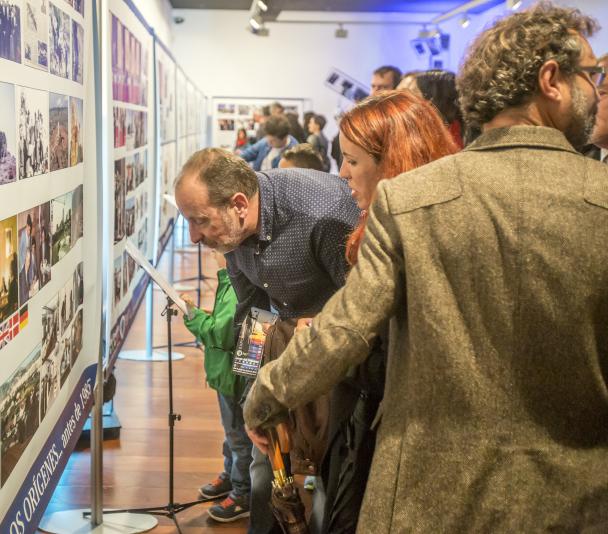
(596, 74)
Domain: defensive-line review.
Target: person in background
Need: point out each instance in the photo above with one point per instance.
(384, 79)
(302, 156)
(215, 331)
(336, 152)
(598, 149)
(318, 140)
(276, 108)
(307, 116)
(381, 137)
(438, 87)
(491, 265)
(266, 154)
(295, 128)
(241, 139)
(261, 130)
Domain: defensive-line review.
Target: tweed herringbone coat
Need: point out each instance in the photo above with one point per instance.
(492, 266)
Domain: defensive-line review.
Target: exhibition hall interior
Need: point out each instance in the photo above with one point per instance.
(303, 266)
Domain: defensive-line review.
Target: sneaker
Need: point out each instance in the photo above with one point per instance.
(220, 487)
(230, 509)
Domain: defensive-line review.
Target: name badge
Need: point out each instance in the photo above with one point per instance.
(250, 344)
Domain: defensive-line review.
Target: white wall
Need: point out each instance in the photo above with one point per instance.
(223, 59)
(158, 15)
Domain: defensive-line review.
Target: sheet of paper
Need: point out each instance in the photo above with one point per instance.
(160, 280)
(171, 200)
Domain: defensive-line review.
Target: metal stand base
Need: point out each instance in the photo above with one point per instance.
(143, 356)
(74, 522)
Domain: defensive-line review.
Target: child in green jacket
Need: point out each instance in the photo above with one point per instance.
(215, 331)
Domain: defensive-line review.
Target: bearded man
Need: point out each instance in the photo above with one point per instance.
(492, 267)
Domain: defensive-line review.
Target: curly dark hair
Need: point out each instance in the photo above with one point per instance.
(501, 68)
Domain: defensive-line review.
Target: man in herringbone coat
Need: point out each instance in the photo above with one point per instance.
(492, 268)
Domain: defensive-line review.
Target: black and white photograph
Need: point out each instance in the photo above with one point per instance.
(130, 216)
(10, 30)
(77, 51)
(142, 237)
(64, 355)
(76, 131)
(119, 199)
(77, 215)
(59, 42)
(20, 411)
(58, 126)
(36, 34)
(128, 268)
(49, 382)
(140, 123)
(76, 337)
(117, 295)
(9, 285)
(130, 129)
(8, 146)
(78, 283)
(141, 167)
(226, 124)
(129, 174)
(244, 109)
(61, 226)
(50, 327)
(33, 109)
(66, 304)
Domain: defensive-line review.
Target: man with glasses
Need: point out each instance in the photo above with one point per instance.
(599, 139)
(492, 267)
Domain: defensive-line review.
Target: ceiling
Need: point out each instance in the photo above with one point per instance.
(361, 6)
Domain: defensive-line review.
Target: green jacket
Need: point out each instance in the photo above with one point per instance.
(216, 332)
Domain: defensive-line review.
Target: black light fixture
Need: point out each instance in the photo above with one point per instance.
(341, 32)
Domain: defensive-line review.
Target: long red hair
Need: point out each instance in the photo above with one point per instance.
(401, 132)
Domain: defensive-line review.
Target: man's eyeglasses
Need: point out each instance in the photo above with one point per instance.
(596, 74)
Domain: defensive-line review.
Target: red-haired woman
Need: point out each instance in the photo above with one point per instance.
(383, 136)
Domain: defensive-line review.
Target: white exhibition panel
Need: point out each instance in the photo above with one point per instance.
(128, 95)
(230, 114)
(165, 79)
(50, 265)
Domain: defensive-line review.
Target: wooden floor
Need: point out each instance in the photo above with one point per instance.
(136, 466)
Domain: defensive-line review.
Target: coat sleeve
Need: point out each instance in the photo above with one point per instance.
(319, 356)
(251, 153)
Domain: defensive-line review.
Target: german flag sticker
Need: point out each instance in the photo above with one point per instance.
(23, 317)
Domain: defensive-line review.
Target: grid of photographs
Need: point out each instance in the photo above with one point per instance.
(28, 394)
(129, 66)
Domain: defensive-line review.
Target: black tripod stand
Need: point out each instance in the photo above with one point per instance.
(172, 508)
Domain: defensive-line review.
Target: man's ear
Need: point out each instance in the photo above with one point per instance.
(551, 81)
(240, 203)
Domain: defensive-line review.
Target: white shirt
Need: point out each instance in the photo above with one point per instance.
(267, 162)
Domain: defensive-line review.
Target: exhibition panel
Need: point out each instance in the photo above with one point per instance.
(50, 255)
(128, 93)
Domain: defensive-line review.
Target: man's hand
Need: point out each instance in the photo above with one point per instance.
(303, 323)
(259, 439)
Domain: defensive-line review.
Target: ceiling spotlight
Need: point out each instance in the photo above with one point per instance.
(465, 21)
(341, 33)
(513, 5)
(262, 5)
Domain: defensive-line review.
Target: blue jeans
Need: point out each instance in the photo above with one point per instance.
(261, 520)
(237, 445)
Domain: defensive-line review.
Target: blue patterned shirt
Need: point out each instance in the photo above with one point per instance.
(296, 261)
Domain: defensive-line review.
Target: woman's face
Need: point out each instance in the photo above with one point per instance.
(360, 170)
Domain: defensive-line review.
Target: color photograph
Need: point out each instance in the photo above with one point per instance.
(20, 409)
(130, 216)
(77, 51)
(61, 226)
(76, 155)
(120, 115)
(119, 200)
(59, 42)
(128, 270)
(30, 244)
(36, 34)
(33, 106)
(140, 167)
(8, 149)
(166, 95)
(58, 124)
(77, 215)
(49, 382)
(9, 285)
(10, 30)
(142, 237)
(117, 281)
(140, 123)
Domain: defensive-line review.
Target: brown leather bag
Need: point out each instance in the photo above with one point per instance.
(308, 425)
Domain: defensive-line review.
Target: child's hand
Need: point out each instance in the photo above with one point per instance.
(188, 300)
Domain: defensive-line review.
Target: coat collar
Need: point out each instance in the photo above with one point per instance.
(514, 136)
